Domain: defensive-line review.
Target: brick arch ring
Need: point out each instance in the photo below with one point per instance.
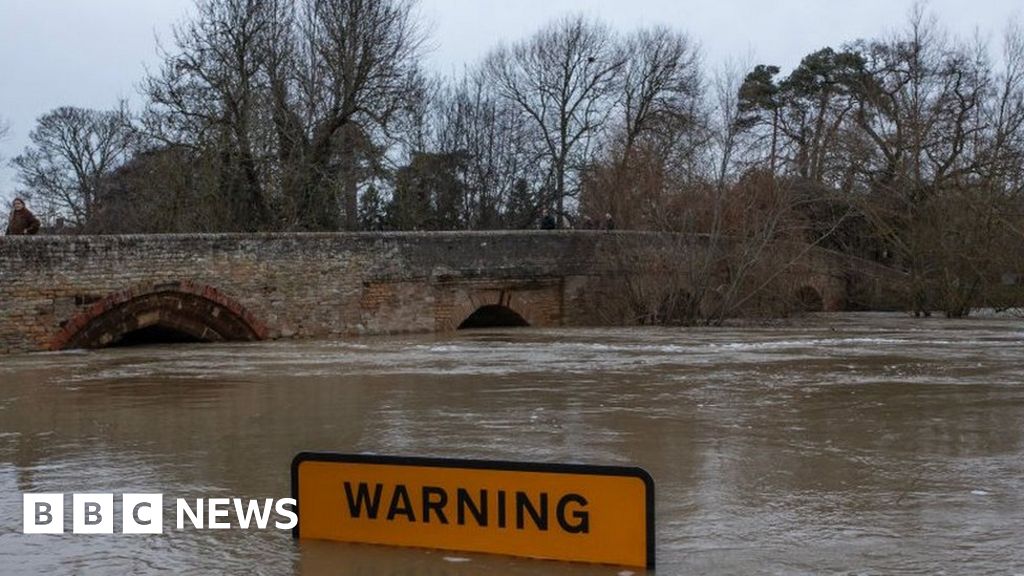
(199, 311)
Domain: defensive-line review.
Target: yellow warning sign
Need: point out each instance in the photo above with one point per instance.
(595, 514)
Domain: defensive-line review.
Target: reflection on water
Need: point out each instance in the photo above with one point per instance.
(853, 444)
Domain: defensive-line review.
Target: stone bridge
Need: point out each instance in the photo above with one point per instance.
(69, 292)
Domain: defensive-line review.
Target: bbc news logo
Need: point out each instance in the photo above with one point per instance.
(144, 514)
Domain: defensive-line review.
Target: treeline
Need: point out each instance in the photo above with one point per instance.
(318, 115)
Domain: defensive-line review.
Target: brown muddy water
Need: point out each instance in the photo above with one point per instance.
(852, 444)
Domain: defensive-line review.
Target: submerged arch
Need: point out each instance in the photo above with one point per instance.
(809, 299)
(493, 316)
(171, 312)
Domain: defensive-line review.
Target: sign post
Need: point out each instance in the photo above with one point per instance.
(594, 514)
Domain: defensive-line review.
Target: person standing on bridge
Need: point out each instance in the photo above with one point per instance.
(22, 222)
(547, 221)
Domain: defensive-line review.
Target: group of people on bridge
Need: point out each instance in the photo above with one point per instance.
(548, 221)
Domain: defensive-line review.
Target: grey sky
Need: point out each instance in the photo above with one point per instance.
(92, 53)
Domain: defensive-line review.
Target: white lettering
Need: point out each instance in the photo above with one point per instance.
(218, 508)
(185, 510)
(253, 510)
(289, 513)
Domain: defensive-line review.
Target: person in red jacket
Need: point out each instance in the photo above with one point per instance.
(22, 222)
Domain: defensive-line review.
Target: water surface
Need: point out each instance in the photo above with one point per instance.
(851, 444)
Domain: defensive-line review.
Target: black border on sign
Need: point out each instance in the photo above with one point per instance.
(496, 465)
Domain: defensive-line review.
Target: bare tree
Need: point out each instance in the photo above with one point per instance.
(294, 96)
(71, 151)
(661, 85)
(728, 242)
(351, 70)
(563, 79)
(919, 108)
(488, 133)
(656, 131)
(1004, 154)
(748, 219)
(211, 94)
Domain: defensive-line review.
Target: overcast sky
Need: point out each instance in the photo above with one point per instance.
(92, 53)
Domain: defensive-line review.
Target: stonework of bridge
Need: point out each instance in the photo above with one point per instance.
(61, 293)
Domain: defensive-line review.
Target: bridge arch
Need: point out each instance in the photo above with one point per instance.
(175, 311)
(494, 316)
(809, 299)
(510, 306)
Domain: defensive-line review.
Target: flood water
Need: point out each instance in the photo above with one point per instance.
(850, 444)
